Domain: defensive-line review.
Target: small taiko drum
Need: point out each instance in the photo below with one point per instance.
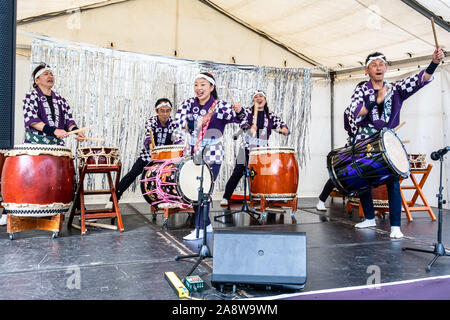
(379, 196)
(98, 156)
(38, 180)
(172, 151)
(274, 173)
(417, 161)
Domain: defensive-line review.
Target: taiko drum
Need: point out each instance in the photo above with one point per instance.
(167, 152)
(274, 173)
(37, 180)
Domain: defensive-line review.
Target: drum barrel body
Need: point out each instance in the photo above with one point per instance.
(274, 173)
(37, 185)
(364, 165)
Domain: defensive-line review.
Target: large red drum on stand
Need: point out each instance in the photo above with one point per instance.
(274, 173)
(38, 180)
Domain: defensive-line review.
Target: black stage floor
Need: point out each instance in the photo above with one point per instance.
(106, 264)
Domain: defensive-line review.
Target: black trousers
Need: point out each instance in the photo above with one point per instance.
(238, 172)
(129, 178)
(327, 188)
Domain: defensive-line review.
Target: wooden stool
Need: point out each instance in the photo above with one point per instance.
(264, 204)
(409, 206)
(78, 207)
(17, 224)
(167, 212)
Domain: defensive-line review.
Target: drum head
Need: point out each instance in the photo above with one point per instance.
(396, 153)
(188, 184)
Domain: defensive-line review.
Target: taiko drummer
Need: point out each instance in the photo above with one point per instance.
(47, 115)
(158, 132)
(258, 136)
(376, 105)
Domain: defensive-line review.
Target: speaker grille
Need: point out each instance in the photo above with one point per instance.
(7, 76)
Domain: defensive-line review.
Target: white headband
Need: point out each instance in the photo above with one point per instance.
(375, 58)
(204, 76)
(47, 68)
(163, 104)
(258, 92)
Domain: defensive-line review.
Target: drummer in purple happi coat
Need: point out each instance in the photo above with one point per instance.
(47, 115)
(205, 117)
(161, 127)
(376, 105)
(261, 129)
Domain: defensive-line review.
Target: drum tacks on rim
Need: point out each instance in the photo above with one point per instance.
(368, 163)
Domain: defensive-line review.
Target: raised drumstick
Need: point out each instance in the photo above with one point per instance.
(400, 125)
(434, 33)
(152, 138)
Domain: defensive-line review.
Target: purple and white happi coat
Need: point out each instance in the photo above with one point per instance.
(37, 109)
(161, 134)
(270, 123)
(389, 117)
(192, 111)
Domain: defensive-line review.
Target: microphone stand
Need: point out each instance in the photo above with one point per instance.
(203, 198)
(245, 208)
(439, 249)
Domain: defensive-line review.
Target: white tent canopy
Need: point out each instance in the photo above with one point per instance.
(337, 34)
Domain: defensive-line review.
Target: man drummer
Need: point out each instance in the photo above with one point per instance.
(261, 129)
(376, 105)
(158, 132)
(47, 115)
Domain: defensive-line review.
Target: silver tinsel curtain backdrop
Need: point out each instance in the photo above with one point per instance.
(115, 92)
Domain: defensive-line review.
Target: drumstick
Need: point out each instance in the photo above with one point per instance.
(231, 97)
(405, 141)
(434, 33)
(400, 125)
(93, 139)
(101, 225)
(152, 138)
(79, 130)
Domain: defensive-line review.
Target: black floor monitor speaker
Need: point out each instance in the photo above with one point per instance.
(269, 259)
(7, 76)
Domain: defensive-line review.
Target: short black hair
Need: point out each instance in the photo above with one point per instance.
(374, 55)
(160, 100)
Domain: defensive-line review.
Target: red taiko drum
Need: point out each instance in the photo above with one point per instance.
(274, 173)
(38, 180)
(172, 151)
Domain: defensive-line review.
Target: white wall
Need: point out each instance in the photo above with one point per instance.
(425, 126)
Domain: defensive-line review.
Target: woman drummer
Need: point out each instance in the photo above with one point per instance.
(261, 129)
(47, 115)
(205, 116)
(158, 130)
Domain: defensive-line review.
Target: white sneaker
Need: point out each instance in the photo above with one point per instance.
(321, 206)
(3, 220)
(396, 233)
(192, 235)
(224, 202)
(109, 205)
(366, 224)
